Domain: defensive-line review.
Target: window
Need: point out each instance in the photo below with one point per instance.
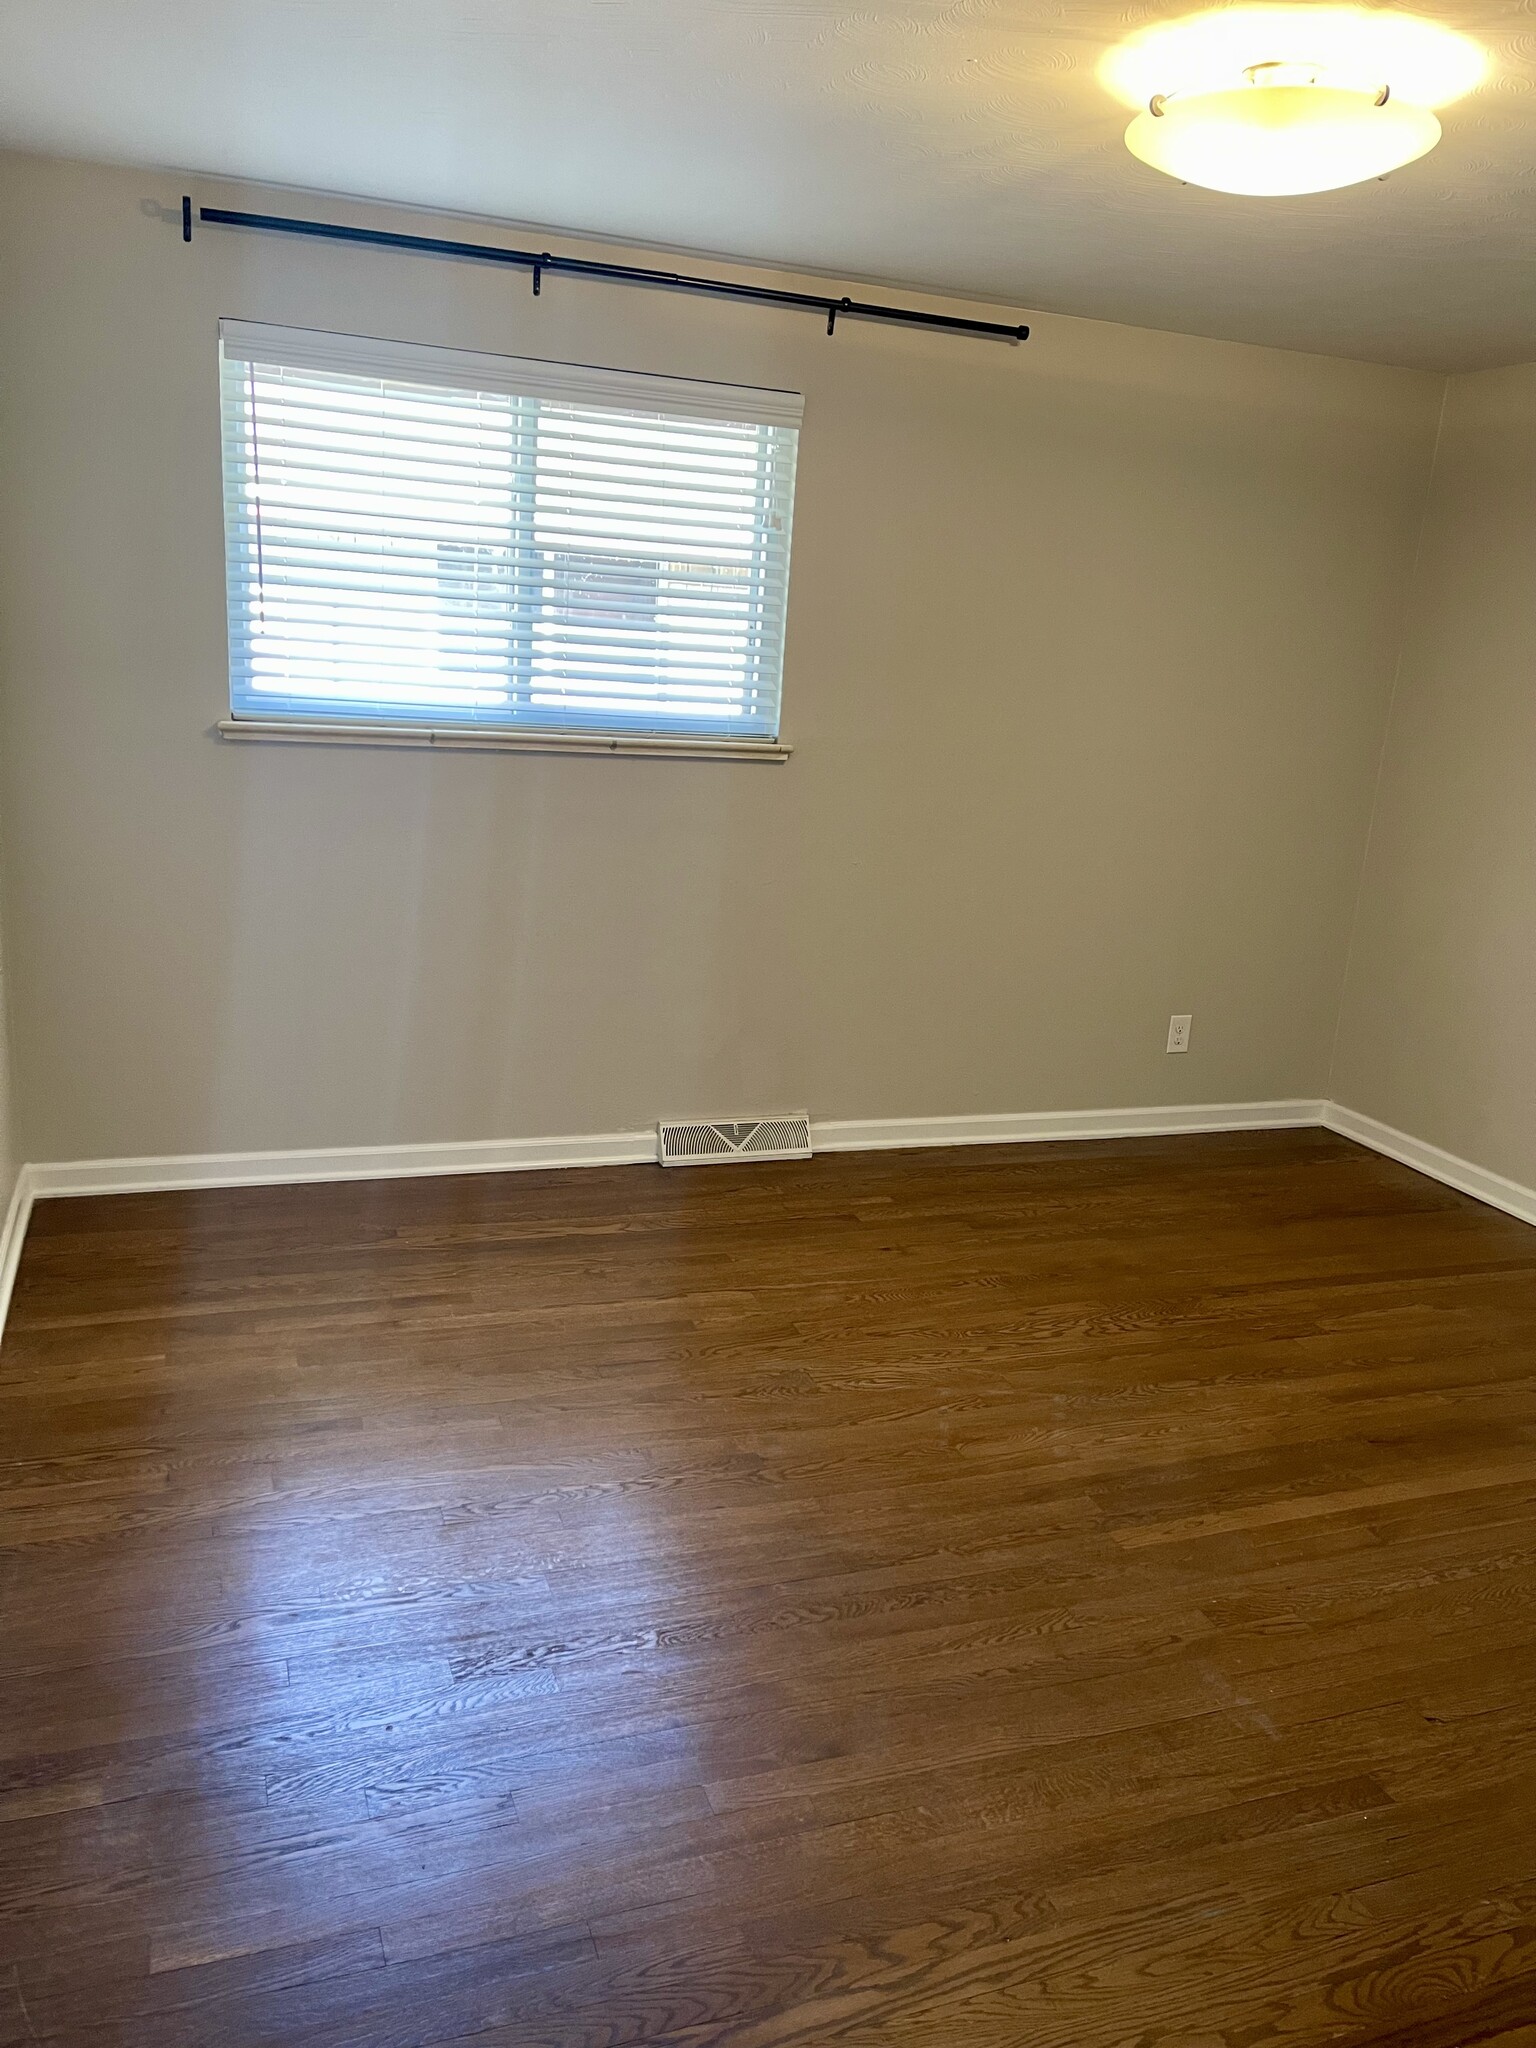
(421, 537)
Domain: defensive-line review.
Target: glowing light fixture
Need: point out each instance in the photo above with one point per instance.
(1284, 99)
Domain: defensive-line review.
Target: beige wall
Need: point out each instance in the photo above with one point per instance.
(1089, 650)
(1438, 1031)
(9, 1162)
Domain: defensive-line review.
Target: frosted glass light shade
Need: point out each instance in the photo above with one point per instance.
(1274, 139)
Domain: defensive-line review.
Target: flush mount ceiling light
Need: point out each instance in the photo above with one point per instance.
(1276, 100)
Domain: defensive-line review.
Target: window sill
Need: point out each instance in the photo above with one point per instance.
(462, 739)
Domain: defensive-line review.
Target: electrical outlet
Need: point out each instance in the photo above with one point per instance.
(1178, 1033)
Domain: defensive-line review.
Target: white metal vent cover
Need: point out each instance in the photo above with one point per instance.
(706, 1144)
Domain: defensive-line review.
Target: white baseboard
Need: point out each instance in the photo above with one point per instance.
(1461, 1174)
(1041, 1126)
(630, 1148)
(356, 1162)
(12, 1236)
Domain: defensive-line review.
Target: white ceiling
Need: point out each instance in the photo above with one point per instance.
(963, 144)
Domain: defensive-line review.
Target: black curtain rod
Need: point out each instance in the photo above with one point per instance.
(580, 266)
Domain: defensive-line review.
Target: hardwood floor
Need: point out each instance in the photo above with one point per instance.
(1077, 1596)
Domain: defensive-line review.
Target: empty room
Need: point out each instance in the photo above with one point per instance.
(768, 1084)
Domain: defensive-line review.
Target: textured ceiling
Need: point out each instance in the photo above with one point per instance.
(964, 144)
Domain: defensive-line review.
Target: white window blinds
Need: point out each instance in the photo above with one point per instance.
(419, 536)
